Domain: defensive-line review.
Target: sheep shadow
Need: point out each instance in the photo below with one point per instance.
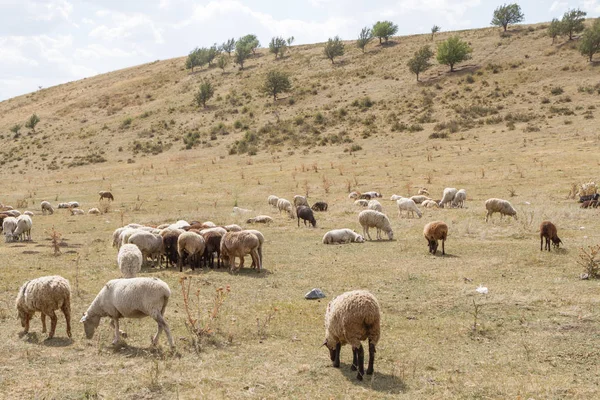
(447, 255)
(57, 342)
(128, 351)
(379, 382)
(380, 241)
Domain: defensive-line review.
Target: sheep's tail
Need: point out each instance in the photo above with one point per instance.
(164, 307)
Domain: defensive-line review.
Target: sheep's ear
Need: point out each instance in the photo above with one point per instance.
(84, 318)
(324, 343)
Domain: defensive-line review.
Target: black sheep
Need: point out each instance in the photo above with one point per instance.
(306, 214)
(319, 206)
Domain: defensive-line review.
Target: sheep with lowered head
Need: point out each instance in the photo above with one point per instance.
(419, 199)
(448, 196)
(434, 231)
(191, 244)
(375, 219)
(129, 298)
(47, 208)
(300, 201)
(501, 206)
(150, 245)
(340, 236)
(548, 231)
(45, 294)
(459, 198)
(409, 206)
(430, 204)
(130, 260)
(272, 200)
(361, 203)
(306, 214)
(351, 318)
(261, 240)
(239, 244)
(320, 206)
(375, 205)
(285, 205)
(23, 229)
(9, 224)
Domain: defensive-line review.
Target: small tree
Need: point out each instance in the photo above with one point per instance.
(193, 59)
(334, 48)
(222, 62)
(420, 62)
(365, 36)
(590, 40)
(211, 53)
(277, 46)
(15, 129)
(32, 122)
(276, 82)
(434, 29)
(242, 52)
(204, 94)
(384, 30)
(228, 46)
(572, 22)
(507, 14)
(554, 29)
(453, 51)
(251, 41)
(290, 40)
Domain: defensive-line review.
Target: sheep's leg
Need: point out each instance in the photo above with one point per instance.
(27, 319)
(372, 352)
(443, 249)
(366, 232)
(67, 312)
(361, 362)
(255, 259)
(53, 321)
(241, 262)
(336, 361)
(162, 325)
(541, 243)
(354, 366)
(43, 317)
(114, 323)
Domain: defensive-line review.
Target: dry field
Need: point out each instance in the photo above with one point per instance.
(535, 335)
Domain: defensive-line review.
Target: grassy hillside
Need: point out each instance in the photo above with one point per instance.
(519, 123)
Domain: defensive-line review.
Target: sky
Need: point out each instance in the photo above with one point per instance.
(47, 42)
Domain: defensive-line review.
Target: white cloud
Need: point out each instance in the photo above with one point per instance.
(558, 5)
(99, 51)
(452, 10)
(591, 6)
(127, 26)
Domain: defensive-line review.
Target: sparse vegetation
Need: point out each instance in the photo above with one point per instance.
(275, 83)
(32, 122)
(434, 29)
(572, 22)
(334, 48)
(364, 38)
(383, 30)
(589, 44)
(204, 94)
(278, 46)
(420, 61)
(453, 51)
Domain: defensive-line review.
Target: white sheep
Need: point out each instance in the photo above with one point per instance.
(13, 213)
(150, 245)
(300, 201)
(409, 206)
(239, 244)
(94, 211)
(130, 260)
(209, 224)
(375, 219)
(459, 198)
(8, 227)
(423, 191)
(272, 200)
(181, 224)
(260, 219)
(76, 211)
(375, 205)
(503, 207)
(45, 294)
(261, 240)
(47, 208)
(396, 197)
(233, 228)
(354, 195)
(73, 204)
(430, 204)
(241, 211)
(129, 298)
(340, 236)
(219, 229)
(419, 199)
(361, 203)
(23, 229)
(351, 318)
(193, 245)
(448, 196)
(372, 194)
(285, 205)
(28, 213)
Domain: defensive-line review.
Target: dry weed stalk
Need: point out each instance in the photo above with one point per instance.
(122, 213)
(22, 203)
(262, 326)
(326, 184)
(306, 187)
(512, 192)
(138, 204)
(429, 177)
(54, 236)
(315, 167)
(475, 313)
(587, 259)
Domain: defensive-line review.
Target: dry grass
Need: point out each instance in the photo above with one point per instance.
(534, 332)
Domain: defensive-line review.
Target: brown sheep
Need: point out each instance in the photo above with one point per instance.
(212, 238)
(106, 195)
(548, 231)
(434, 231)
(585, 204)
(239, 244)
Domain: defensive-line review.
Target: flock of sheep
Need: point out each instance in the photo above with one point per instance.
(350, 318)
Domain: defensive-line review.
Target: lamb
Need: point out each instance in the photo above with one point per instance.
(351, 318)
(23, 229)
(272, 200)
(340, 236)
(129, 298)
(434, 231)
(212, 240)
(45, 294)
(448, 196)
(430, 204)
(233, 228)
(260, 219)
(94, 211)
(130, 260)
(375, 205)
(150, 245)
(239, 244)
(361, 203)
(306, 214)
(375, 219)
(76, 211)
(193, 245)
(419, 199)
(300, 201)
(549, 232)
(285, 205)
(104, 194)
(9, 224)
(353, 195)
(320, 206)
(409, 206)
(459, 198)
(503, 207)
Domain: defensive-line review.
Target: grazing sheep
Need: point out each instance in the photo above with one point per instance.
(94, 211)
(170, 245)
(125, 234)
(129, 298)
(272, 200)
(130, 260)
(320, 206)
(241, 211)
(285, 205)
(181, 224)
(233, 228)
(47, 208)
(106, 195)
(76, 211)
(409, 206)
(150, 245)
(260, 219)
(373, 194)
(423, 191)
(375, 219)
(353, 195)
(218, 229)
(340, 236)
(351, 318)
(396, 197)
(63, 205)
(45, 294)
(30, 213)
(9, 224)
(300, 201)
(23, 229)
(448, 196)
(2, 217)
(434, 231)
(459, 198)
(430, 204)
(239, 244)
(5, 208)
(419, 199)
(306, 214)
(500, 206)
(193, 245)
(549, 232)
(212, 240)
(208, 224)
(375, 205)
(361, 203)
(73, 204)
(365, 196)
(261, 240)
(13, 213)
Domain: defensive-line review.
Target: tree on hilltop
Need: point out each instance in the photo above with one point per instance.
(434, 29)
(278, 46)
(228, 46)
(572, 22)
(507, 14)
(383, 30)
(589, 43)
(555, 29)
(334, 48)
(364, 37)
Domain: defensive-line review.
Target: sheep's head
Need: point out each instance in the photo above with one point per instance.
(90, 323)
(360, 239)
(390, 234)
(23, 316)
(556, 242)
